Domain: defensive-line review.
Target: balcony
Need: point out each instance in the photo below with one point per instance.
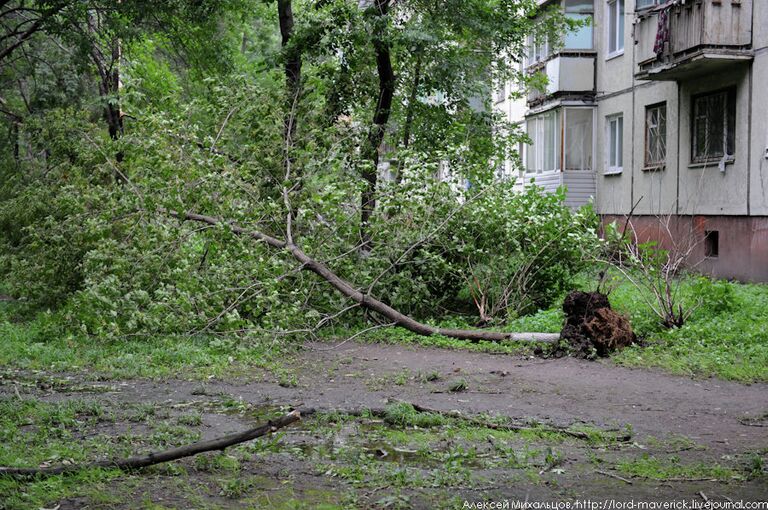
(704, 36)
(570, 74)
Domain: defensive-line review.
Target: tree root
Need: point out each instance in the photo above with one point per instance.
(132, 463)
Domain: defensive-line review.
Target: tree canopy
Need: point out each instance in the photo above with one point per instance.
(365, 131)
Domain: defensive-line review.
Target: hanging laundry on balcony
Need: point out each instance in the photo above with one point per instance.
(662, 32)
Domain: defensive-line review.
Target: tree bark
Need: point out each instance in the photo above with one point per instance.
(109, 82)
(412, 101)
(380, 120)
(367, 301)
(292, 57)
(131, 463)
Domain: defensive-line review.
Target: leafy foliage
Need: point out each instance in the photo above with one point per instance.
(202, 128)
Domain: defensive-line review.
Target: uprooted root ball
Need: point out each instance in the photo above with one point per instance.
(592, 329)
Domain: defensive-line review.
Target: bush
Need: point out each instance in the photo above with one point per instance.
(501, 253)
(713, 297)
(112, 263)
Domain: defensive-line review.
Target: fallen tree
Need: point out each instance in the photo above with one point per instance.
(151, 459)
(366, 300)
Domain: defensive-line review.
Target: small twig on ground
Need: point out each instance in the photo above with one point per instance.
(690, 479)
(132, 463)
(606, 473)
(366, 330)
(704, 496)
(752, 422)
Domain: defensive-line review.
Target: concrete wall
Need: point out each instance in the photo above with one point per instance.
(706, 189)
(614, 192)
(655, 191)
(758, 182)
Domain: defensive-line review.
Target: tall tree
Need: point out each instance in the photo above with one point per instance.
(382, 112)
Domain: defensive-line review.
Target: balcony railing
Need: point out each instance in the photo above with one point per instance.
(685, 38)
(568, 74)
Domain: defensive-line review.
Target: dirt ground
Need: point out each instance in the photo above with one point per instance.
(675, 421)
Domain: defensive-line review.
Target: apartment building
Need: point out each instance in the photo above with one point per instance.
(659, 109)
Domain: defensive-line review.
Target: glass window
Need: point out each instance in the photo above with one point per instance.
(714, 125)
(615, 26)
(542, 154)
(581, 39)
(655, 135)
(642, 4)
(538, 48)
(615, 139)
(578, 139)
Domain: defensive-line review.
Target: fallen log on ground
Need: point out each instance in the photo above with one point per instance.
(366, 300)
(151, 459)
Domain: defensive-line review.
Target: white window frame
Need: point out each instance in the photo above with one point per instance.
(537, 50)
(565, 110)
(661, 133)
(618, 19)
(590, 14)
(614, 123)
(538, 154)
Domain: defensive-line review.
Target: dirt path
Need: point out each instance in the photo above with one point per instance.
(561, 391)
(716, 421)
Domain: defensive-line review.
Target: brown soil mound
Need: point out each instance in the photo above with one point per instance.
(592, 328)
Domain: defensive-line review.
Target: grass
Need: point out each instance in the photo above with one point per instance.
(411, 454)
(36, 345)
(726, 337)
(34, 433)
(671, 468)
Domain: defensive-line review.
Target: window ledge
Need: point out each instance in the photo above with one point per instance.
(613, 172)
(713, 163)
(654, 168)
(614, 55)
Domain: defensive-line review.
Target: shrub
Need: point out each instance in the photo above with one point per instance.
(502, 253)
(113, 263)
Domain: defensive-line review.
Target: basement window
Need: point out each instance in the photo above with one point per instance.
(711, 244)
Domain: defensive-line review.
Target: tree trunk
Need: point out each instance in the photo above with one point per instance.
(109, 84)
(380, 120)
(412, 101)
(367, 301)
(292, 57)
(15, 134)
